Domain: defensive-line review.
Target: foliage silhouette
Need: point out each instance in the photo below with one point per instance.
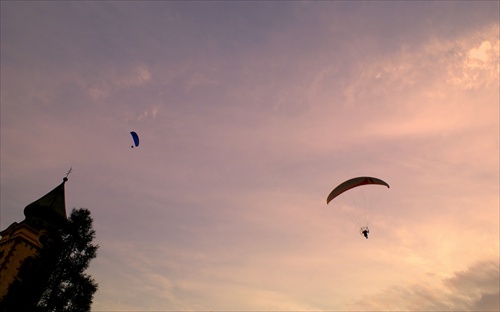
(69, 288)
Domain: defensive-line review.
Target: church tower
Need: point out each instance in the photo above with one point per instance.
(28, 251)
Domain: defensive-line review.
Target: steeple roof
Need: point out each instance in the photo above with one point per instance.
(50, 207)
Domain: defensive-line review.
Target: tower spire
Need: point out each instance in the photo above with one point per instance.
(51, 207)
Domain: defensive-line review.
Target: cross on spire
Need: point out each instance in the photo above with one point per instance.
(67, 174)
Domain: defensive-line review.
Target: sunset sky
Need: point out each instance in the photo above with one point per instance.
(249, 114)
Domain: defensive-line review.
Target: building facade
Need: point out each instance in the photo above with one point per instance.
(28, 251)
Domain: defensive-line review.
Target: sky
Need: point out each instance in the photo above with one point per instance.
(249, 114)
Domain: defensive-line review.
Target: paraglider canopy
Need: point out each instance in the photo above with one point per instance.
(352, 183)
(135, 137)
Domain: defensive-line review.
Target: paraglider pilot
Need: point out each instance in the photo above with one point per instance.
(365, 231)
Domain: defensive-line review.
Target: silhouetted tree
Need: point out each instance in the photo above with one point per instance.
(69, 288)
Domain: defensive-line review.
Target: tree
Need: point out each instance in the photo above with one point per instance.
(69, 288)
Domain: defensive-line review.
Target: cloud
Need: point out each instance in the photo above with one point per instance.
(115, 81)
(151, 112)
(474, 289)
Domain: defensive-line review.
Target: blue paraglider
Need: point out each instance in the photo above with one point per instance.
(136, 139)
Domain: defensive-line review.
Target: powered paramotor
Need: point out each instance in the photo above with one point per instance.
(350, 184)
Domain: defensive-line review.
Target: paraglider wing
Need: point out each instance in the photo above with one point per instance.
(352, 183)
(136, 138)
